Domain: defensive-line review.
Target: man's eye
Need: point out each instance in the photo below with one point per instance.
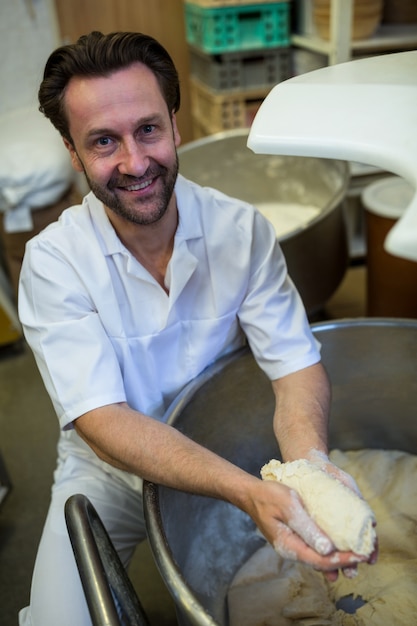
(149, 128)
(103, 141)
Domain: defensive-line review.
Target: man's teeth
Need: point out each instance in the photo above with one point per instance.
(137, 187)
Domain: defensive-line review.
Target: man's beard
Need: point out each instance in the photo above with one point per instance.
(133, 213)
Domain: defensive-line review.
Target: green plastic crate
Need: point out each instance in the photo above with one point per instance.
(229, 29)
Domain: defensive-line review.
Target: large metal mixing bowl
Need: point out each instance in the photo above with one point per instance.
(316, 252)
(199, 543)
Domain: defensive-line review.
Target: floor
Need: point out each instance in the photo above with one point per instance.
(28, 436)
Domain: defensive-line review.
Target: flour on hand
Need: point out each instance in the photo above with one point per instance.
(347, 519)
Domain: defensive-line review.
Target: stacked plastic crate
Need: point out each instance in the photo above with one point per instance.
(239, 49)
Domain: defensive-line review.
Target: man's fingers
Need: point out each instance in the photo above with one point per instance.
(289, 545)
(307, 529)
(350, 572)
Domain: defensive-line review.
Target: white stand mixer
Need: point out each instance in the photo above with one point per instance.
(364, 111)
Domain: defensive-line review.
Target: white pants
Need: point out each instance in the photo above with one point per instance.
(57, 597)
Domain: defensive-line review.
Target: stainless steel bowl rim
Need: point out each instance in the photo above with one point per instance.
(244, 132)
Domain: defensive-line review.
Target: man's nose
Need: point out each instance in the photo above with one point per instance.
(133, 160)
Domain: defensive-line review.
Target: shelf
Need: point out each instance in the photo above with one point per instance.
(339, 47)
(387, 37)
(311, 42)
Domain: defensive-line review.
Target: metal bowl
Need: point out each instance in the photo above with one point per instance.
(199, 543)
(316, 251)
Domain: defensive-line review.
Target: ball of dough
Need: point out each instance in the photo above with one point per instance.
(337, 510)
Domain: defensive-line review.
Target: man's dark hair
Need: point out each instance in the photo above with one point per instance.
(101, 55)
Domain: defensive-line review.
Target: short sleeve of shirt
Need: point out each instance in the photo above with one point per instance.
(272, 314)
(72, 350)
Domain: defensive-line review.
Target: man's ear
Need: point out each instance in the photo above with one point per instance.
(177, 136)
(76, 163)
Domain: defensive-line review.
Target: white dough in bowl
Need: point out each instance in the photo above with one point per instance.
(288, 217)
(337, 510)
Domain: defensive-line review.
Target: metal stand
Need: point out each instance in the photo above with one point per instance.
(111, 598)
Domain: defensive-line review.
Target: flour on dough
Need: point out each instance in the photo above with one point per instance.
(345, 517)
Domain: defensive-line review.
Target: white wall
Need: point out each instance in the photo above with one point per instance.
(28, 34)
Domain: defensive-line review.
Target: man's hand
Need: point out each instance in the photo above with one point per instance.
(321, 460)
(284, 522)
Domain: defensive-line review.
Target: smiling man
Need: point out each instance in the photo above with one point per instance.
(130, 296)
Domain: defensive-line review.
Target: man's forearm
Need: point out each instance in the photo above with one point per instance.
(302, 410)
(159, 453)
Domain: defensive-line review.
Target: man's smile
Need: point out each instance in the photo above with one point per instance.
(138, 186)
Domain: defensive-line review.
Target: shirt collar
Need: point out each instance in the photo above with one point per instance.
(189, 224)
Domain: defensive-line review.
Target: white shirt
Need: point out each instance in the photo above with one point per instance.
(104, 331)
